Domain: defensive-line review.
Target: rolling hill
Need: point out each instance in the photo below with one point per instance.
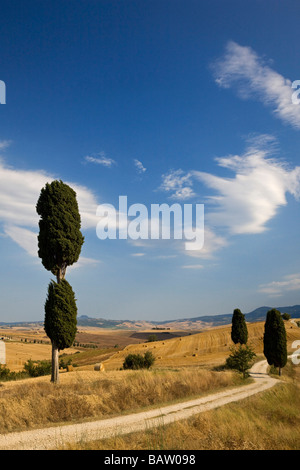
(209, 347)
(206, 321)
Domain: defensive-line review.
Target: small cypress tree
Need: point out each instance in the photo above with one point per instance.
(275, 342)
(241, 359)
(239, 331)
(60, 320)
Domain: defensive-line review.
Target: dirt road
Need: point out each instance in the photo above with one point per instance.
(56, 437)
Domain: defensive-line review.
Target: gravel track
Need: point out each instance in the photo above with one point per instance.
(56, 437)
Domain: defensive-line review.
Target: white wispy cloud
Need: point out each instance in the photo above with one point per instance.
(192, 266)
(178, 184)
(4, 144)
(100, 159)
(28, 241)
(277, 288)
(242, 69)
(245, 203)
(19, 192)
(25, 238)
(213, 243)
(138, 255)
(139, 166)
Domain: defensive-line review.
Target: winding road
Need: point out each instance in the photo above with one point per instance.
(56, 437)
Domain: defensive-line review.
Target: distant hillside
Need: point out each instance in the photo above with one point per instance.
(206, 321)
(258, 314)
(23, 324)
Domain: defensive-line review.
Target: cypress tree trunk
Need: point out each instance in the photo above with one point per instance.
(61, 273)
(59, 277)
(55, 366)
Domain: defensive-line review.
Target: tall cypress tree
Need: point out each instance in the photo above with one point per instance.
(239, 331)
(59, 242)
(275, 342)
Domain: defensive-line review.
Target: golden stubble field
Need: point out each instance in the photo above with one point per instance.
(32, 343)
(209, 347)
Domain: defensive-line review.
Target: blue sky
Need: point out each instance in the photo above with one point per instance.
(165, 102)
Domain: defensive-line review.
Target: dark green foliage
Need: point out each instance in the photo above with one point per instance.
(31, 369)
(137, 361)
(241, 359)
(64, 362)
(286, 316)
(149, 360)
(6, 374)
(38, 369)
(61, 314)
(133, 361)
(275, 343)
(152, 338)
(60, 239)
(239, 331)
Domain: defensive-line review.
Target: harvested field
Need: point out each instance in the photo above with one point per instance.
(209, 347)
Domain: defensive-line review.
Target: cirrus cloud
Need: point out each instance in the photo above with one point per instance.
(245, 203)
(289, 283)
(100, 159)
(139, 166)
(242, 69)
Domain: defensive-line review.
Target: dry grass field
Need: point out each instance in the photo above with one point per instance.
(184, 369)
(267, 421)
(89, 395)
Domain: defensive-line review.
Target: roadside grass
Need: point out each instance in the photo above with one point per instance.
(266, 421)
(36, 403)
